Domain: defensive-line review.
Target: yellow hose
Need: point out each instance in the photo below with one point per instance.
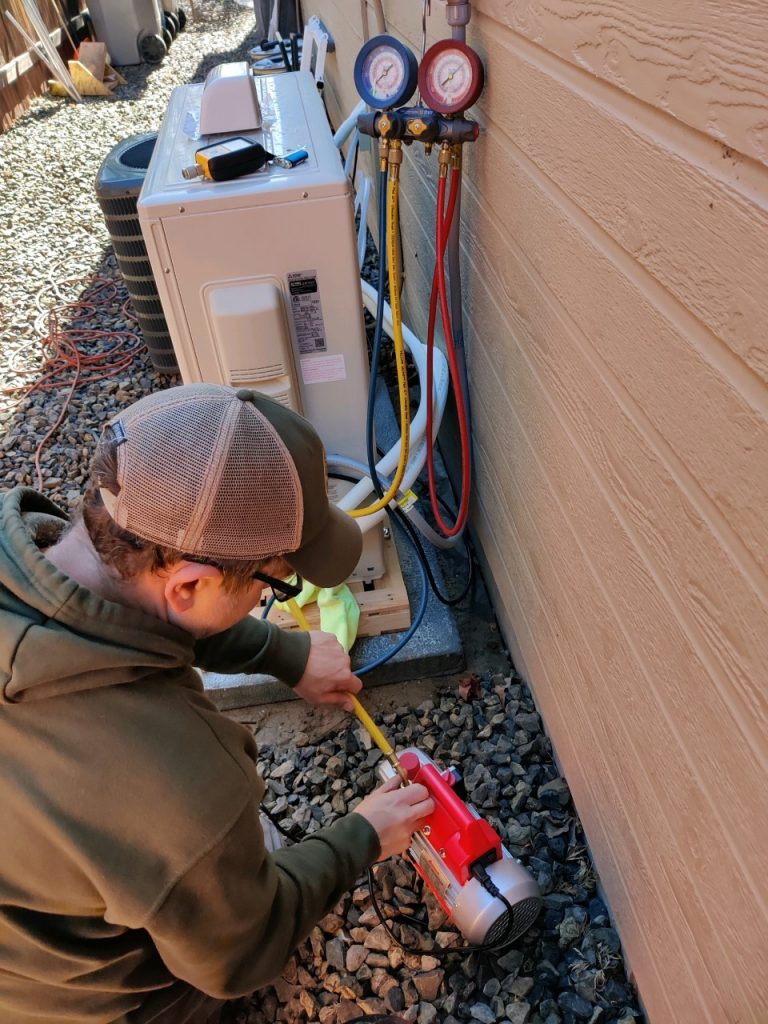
(378, 737)
(298, 614)
(402, 372)
(365, 719)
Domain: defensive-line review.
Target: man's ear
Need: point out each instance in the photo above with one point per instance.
(183, 584)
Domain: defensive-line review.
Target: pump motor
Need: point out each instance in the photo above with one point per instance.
(487, 893)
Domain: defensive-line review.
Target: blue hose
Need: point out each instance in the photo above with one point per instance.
(416, 621)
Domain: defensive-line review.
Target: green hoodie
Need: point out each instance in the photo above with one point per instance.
(132, 861)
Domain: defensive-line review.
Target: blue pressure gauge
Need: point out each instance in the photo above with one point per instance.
(386, 73)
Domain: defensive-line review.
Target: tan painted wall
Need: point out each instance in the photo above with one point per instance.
(615, 258)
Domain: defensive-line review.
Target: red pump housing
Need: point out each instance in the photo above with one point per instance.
(459, 836)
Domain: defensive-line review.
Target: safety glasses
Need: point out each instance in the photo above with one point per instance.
(282, 589)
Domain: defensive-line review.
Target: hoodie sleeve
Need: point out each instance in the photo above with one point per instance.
(230, 924)
(252, 646)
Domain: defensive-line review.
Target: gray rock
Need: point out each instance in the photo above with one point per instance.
(511, 962)
(554, 794)
(395, 999)
(569, 931)
(334, 954)
(518, 1013)
(483, 1013)
(574, 1004)
(427, 1013)
(521, 986)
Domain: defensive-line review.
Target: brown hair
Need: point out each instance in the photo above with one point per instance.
(130, 556)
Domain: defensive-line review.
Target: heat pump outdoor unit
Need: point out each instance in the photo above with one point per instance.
(258, 276)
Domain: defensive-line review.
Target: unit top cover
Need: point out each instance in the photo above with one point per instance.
(293, 118)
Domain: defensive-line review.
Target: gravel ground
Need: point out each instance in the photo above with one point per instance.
(568, 968)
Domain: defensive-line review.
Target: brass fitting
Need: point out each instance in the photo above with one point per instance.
(427, 148)
(456, 154)
(444, 157)
(383, 153)
(395, 158)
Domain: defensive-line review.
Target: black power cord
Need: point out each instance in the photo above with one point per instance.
(481, 874)
(450, 601)
(417, 543)
(273, 818)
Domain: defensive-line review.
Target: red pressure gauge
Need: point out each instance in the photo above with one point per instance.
(451, 77)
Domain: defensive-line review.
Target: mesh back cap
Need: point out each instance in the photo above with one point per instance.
(229, 474)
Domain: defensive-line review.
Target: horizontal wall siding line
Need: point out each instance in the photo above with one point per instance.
(707, 344)
(739, 172)
(665, 834)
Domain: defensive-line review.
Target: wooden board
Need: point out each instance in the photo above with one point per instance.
(384, 609)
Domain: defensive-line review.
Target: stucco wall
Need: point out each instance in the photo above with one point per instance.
(615, 259)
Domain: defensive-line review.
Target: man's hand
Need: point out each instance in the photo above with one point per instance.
(396, 813)
(328, 677)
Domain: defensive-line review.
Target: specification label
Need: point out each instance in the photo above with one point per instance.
(307, 312)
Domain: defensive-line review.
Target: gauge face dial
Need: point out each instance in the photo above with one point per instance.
(385, 73)
(451, 77)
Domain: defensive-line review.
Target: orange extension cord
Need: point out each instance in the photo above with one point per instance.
(65, 358)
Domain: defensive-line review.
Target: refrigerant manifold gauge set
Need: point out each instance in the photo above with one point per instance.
(450, 80)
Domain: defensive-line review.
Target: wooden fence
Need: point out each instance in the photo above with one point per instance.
(22, 74)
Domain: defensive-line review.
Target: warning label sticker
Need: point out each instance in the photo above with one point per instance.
(307, 312)
(323, 369)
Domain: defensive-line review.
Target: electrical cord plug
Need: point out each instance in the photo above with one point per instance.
(481, 874)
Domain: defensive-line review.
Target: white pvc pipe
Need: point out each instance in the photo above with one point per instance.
(418, 448)
(347, 126)
(342, 463)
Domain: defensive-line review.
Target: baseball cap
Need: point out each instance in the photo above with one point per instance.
(222, 473)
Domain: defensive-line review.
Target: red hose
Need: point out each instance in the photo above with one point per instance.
(442, 230)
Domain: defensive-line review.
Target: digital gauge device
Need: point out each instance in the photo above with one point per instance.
(386, 73)
(451, 77)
